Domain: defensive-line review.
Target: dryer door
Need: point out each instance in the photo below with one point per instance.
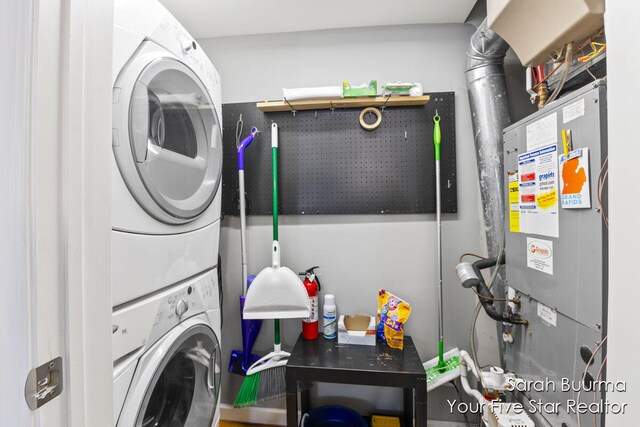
(185, 389)
(175, 141)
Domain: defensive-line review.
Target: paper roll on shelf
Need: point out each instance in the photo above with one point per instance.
(312, 93)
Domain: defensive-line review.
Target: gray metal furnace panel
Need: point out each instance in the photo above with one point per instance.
(542, 352)
(577, 287)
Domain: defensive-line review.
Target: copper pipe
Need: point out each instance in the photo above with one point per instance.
(543, 94)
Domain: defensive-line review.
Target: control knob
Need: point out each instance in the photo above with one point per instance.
(181, 308)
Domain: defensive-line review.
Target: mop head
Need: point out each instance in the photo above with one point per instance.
(441, 373)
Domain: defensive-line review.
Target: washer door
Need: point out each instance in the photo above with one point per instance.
(185, 388)
(176, 142)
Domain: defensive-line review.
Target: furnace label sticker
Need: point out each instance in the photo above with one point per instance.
(538, 192)
(574, 180)
(573, 111)
(540, 255)
(548, 199)
(542, 132)
(514, 207)
(548, 315)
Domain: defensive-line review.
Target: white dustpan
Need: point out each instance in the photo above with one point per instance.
(276, 292)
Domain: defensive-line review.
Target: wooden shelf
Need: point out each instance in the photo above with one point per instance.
(323, 104)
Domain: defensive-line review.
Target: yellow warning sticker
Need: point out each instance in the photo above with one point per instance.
(514, 208)
(548, 200)
(514, 221)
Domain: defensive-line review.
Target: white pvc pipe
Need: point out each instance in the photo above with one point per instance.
(471, 392)
(469, 363)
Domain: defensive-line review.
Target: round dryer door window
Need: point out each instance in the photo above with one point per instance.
(185, 389)
(176, 139)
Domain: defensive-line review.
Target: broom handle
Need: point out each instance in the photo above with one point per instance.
(274, 180)
(440, 298)
(243, 228)
(274, 177)
(436, 145)
(243, 205)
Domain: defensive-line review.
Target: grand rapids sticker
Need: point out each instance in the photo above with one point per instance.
(540, 255)
(574, 180)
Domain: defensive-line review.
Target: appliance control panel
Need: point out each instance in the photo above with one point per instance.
(140, 324)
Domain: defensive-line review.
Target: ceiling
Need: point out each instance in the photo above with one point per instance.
(219, 18)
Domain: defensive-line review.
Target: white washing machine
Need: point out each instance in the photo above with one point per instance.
(167, 357)
(167, 153)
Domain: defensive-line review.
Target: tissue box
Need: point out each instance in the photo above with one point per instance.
(359, 329)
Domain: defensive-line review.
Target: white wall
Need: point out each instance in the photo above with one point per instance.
(624, 151)
(360, 254)
(15, 84)
(55, 225)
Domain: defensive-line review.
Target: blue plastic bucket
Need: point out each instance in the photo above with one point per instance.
(332, 416)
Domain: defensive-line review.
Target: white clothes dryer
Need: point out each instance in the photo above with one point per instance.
(167, 153)
(167, 358)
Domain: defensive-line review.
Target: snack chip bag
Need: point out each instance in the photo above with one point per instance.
(392, 313)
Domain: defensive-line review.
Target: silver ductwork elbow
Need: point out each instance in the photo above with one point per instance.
(487, 87)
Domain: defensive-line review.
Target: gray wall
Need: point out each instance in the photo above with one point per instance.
(360, 254)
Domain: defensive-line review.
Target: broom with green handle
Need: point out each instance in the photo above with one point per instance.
(265, 379)
(445, 367)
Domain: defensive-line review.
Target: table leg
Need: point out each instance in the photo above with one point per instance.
(305, 400)
(407, 400)
(292, 400)
(421, 404)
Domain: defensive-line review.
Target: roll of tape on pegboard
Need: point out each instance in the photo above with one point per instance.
(372, 126)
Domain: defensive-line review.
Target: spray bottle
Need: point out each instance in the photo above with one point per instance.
(312, 285)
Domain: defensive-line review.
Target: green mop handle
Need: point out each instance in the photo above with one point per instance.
(274, 177)
(276, 332)
(274, 180)
(437, 136)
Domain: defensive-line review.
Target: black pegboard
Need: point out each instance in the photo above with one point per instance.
(330, 165)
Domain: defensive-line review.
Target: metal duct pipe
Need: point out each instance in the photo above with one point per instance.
(487, 88)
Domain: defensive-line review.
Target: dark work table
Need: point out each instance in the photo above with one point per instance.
(323, 360)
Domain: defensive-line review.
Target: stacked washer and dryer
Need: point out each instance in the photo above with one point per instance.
(166, 174)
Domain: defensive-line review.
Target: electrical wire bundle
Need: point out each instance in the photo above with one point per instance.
(584, 373)
(602, 179)
(569, 51)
